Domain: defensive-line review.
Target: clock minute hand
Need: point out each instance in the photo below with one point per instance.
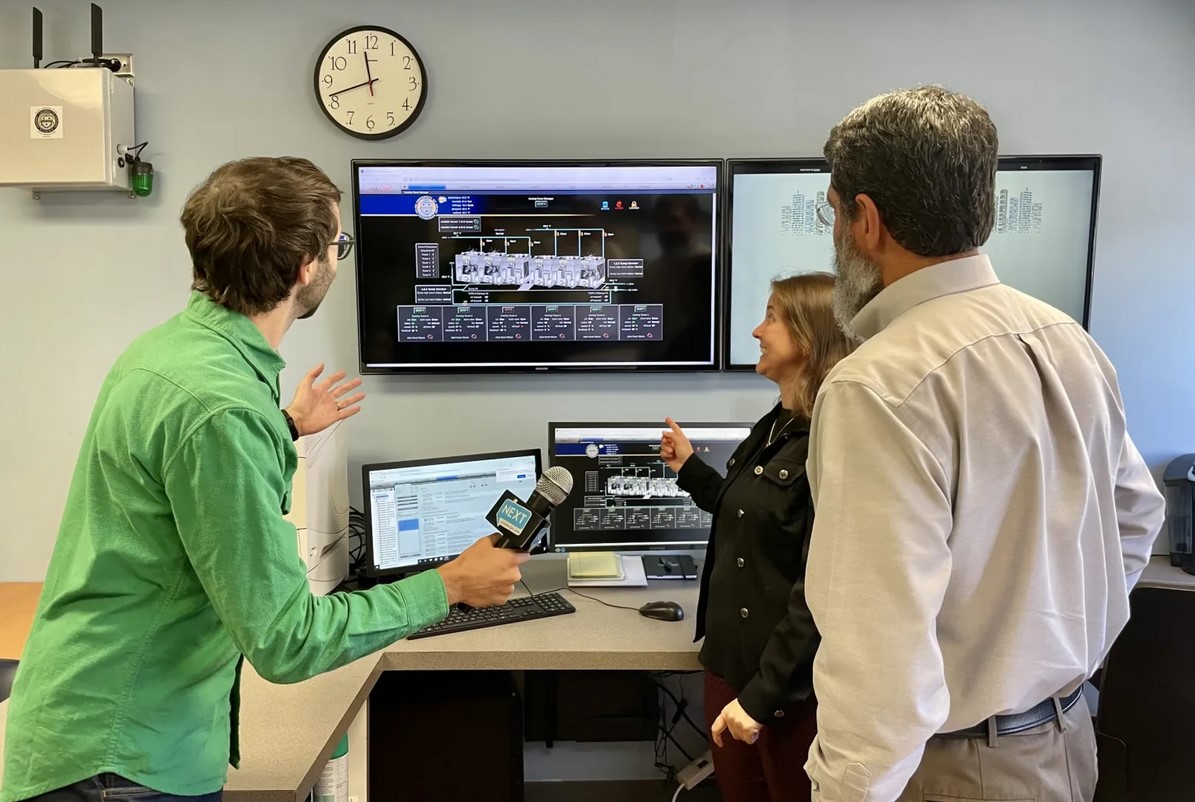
(368, 83)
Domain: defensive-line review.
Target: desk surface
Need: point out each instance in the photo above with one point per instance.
(1161, 574)
(18, 603)
(288, 731)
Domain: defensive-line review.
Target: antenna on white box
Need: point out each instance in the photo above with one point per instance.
(37, 38)
(97, 34)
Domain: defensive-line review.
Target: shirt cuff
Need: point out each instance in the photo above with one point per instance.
(424, 598)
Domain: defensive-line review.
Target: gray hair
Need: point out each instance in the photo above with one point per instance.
(927, 158)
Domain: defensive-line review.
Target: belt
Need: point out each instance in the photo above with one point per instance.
(1015, 723)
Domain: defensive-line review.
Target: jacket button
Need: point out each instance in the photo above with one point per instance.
(741, 513)
(731, 461)
(783, 474)
(779, 714)
(744, 612)
(758, 470)
(740, 562)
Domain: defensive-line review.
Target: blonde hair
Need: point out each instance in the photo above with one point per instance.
(806, 305)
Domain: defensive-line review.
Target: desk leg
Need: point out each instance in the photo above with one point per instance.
(359, 756)
(550, 709)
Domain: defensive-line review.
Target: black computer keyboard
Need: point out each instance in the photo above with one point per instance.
(527, 608)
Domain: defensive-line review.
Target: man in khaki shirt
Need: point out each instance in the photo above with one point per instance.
(981, 512)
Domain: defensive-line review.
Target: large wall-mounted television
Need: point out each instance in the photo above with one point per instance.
(1043, 242)
(504, 266)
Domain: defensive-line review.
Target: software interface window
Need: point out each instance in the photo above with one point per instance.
(1041, 242)
(427, 513)
(537, 265)
(624, 496)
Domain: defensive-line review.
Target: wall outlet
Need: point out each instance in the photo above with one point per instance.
(692, 775)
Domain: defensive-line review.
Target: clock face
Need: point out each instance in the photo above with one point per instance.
(370, 82)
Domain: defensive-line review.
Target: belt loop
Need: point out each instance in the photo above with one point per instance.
(992, 740)
(1058, 712)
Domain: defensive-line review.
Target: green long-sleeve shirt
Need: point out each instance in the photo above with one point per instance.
(172, 561)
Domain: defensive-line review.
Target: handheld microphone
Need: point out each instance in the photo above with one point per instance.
(519, 524)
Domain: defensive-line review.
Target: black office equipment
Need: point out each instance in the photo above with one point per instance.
(536, 265)
(446, 735)
(423, 513)
(526, 608)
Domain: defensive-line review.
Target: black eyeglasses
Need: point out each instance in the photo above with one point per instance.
(344, 246)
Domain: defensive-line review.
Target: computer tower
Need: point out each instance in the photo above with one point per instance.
(446, 735)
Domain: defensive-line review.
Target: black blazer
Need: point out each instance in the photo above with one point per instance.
(759, 633)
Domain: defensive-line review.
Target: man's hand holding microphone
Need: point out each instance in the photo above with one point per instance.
(484, 575)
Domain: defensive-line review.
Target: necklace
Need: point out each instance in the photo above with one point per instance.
(772, 433)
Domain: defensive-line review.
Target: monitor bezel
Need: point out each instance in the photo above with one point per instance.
(1069, 161)
(757, 166)
(631, 548)
(367, 507)
(720, 202)
(752, 166)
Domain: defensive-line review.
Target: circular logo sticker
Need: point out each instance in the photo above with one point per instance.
(591, 450)
(426, 207)
(46, 121)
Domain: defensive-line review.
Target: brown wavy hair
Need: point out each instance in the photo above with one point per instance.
(806, 304)
(252, 224)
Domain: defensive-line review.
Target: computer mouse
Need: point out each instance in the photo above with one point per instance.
(662, 611)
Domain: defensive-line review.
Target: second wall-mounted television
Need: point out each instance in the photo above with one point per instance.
(504, 266)
(1043, 241)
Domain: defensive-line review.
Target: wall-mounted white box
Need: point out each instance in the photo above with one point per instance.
(63, 129)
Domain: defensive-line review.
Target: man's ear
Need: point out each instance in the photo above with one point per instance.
(869, 222)
(307, 271)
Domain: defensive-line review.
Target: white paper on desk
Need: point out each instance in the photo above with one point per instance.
(633, 576)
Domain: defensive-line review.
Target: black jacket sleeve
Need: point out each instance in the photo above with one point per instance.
(700, 481)
(789, 651)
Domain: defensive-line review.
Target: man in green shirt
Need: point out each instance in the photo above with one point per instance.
(173, 559)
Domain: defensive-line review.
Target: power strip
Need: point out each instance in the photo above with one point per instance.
(692, 775)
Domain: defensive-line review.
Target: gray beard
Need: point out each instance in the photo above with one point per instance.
(859, 280)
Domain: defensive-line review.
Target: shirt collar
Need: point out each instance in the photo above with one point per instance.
(242, 333)
(944, 278)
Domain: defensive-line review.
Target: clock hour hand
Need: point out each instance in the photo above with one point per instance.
(368, 83)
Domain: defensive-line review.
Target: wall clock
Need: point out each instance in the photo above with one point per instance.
(370, 82)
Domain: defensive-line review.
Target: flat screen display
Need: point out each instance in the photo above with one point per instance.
(1043, 242)
(505, 266)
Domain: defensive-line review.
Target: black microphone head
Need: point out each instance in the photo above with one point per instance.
(555, 484)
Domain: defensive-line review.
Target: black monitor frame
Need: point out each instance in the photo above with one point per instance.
(755, 166)
(654, 548)
(367, 505)
(717, 272)
(1090, 161)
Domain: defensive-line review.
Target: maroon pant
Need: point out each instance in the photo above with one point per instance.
(773, 768)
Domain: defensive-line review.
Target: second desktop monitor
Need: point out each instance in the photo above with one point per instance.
(624, 497)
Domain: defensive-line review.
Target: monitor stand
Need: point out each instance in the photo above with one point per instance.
(669, 566)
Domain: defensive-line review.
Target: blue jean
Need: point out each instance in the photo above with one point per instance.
(113, 788)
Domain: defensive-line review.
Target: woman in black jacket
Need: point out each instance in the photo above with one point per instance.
(759, 635)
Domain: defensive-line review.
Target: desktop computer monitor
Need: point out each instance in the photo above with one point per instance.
(1043, 241)
(423, 513)
(537, 265)
(624, 497)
